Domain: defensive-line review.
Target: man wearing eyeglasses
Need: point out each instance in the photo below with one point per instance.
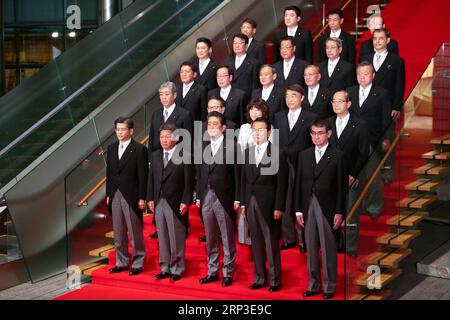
(317, 98)
(320, 191)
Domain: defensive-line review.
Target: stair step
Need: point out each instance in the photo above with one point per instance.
(386, 277)
(93, 264)
(410, 219)
(109, 235)
(426, 185)
(102, 251)
(401, 239)
(89, 271)
(430, 154)
(389, 258)
(416, 202)
(373, 295)
(445, 139)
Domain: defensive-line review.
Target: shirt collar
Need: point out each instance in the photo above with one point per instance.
(366, 89)
(219, 140)
(125, 143)
(335, 61)
(269, 89)
(345, 119)
(314, 89)
(323, 149)
(169, 109)
(292, 30)
(171, 151)
(187, 85)
(290, 61)
(296, 112)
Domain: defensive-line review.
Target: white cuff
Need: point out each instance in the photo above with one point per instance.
(298, 214)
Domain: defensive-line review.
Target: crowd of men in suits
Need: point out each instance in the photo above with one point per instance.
(317, 124)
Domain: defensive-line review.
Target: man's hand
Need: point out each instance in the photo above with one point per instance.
(151, 205)
(301, 221)
(141, 204)
(395, 114)
(337, 220)
(197, 203)
(277, 214)
(107, 201)
(183, 209)
(236, 205)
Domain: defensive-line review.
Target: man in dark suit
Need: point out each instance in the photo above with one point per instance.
(218, 178)
(317, 99)
(335, 73)
(191, 95)
(350, 136)
(335, 20)
(376, 22)
(290, 69)
(169, 192)
(270, 93)
(235, 99)
(255, 49)
(263, 195)
(244, 68)
(293, 128)
(303, 38)
(320, 189)
(204, 66)
(126, 188)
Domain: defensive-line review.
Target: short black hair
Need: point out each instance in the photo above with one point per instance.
(263, 119)
(365, 63)
(241, 36)
(230, 71)
(168, 126)
(187, 64)
(250, 22)
(385, 30)
(295, 87)
(128, 121)
(223, 104)
(288, 38)
(297, 10)
(205, 41)
(321, 123)
(216, 114)
(336, 11)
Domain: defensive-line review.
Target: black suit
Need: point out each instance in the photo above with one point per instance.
(195, 100)
(246, 77)
(295, 75)
(208, 78)
(375, 111)
(367, 48)
(235, 104)
(303, 45)
(390, 76)
(180, 117)
(257, 51)
(342, 77)
(322, 103)
(348, 47)
(275, 102)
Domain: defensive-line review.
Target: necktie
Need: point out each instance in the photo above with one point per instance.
(377, 62)
(319, 155)
(238, 63)
(166, 115)
(311, 97)
(286, 69)
(200, 67)
(185, 90)
(339, 128)
(291, 121)
(121, 147)
(330, 68)
(362, 97)
(258, 155)
(213, 149)
(166, 159)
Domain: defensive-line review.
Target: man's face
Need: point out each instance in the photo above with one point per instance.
(365, 76)
(260, 132)
(239, 46)
(320, 136)
(248, 30)
(380, 41)
(202, 50)
(311, 76)
(215, 129)
(291, 19)
(223, 77)
(333, 51)
(167, 97)
(334, 21)
(214, 105)
(187, 75)
(167, 139)
(287, 50)
(340, 104)
(293, 99)
(266, 76)
(122, 132)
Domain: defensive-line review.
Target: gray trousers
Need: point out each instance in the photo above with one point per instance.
(288, 221)
(264, 244)
(219, 227)
(171, 239)
(125, 219)
(318, 234)
(374, 200)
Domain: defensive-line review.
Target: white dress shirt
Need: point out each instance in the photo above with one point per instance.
(320, 151)
(202, 65)
(238, 61)
(312, 94)
(293, 117)
(186, 88)
(363, 93)
(216, 144)
(292, 31)
(224, 92)
(266, 92)
(122, 147)
(378, 59)
(341, 124)
(332, 66)
(259, 152)
(168, 111)
(287, 65)
(170, 151)
(335, 34)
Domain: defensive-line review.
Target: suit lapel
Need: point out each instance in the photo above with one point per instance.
(346, 133)
(384, 68)
(297, 126)
(336, 70)
(324, 161)
(189, 94)
(127, 154)
(174, 116)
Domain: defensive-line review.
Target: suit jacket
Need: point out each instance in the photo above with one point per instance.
(269, 190)
(195, 100)
(303, 45)
(275, 101)
(294, 76)
(367, 47)
(342, 77)
(175, 183)
(353, 142)
(180, 117)
(391, 76)
(321, 105)
(208, 79)
(348, 47)
(246, 77)
(235, 104)
(292, 142)
(257, 51)
(327, 180)
(375, 110)
(129, 174)
(221, 175)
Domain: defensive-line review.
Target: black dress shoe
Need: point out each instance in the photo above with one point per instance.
(209, 279)
(274, 288)
(255, 286)
(154, 235)
(175, 277)
(117, 269)
(302, 247)
(227, 281)
(308, 293)
(285, 246)
(328, 295)
(162, 275)
(202, 238)
(135, 271)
